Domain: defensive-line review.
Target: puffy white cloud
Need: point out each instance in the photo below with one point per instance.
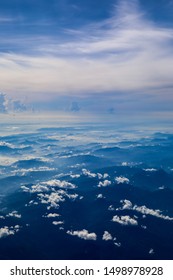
(105, 183)
(72, 196)
(105, 175)
(100, 176)
(52, 215)
(25, 189)
(6, 231)
(14, 214)
(94, 175)
(56, 223)
(53, 199)
(100, 195)
(122, 180)
(60, 184)
(47, 193)
(125, 220)
(32, 202)
(111, 208)
(75, 175)
(88, 173)
(126, 204)
(144, 227)
(48, 186)
(77, 165)
(161, 188)
(147, 211)
(39, 188)
(124, 163)
(107, 236)
(150, 169)
(83, 234)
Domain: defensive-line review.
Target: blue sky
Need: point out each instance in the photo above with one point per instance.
(100, 57)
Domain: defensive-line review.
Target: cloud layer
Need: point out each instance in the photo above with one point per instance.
(127, 56)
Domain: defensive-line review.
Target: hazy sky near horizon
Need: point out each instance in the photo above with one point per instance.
(84, 55)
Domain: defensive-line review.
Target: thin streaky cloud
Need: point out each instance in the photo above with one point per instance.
(125, 54)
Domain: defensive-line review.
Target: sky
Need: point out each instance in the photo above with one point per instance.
(111, 57)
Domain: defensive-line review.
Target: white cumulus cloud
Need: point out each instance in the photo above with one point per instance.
(150, 169)
(14, 214)
(6, 231)
(111, 208)
(60, 184)
(107, 236)
(83, 234)
(147, 211)
(52, 215)
(53, 199)
(100, 195)
(105, 183)
(126, 204)
(89, 173)
(125, 220)
(121, 180)
(56, 223)
(75, 175)
(39, 188)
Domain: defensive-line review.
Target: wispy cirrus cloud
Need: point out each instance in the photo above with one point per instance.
(125, 54)
(6, 19)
